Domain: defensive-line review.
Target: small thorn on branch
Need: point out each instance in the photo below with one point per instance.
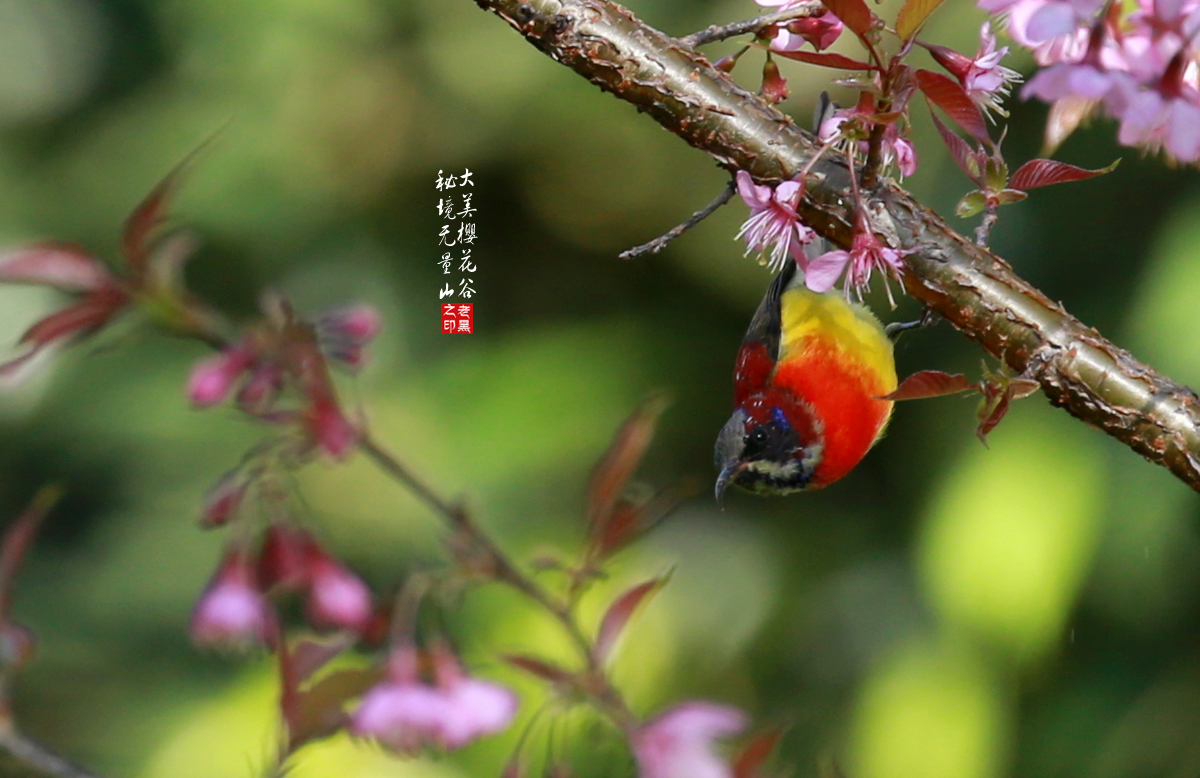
(720, 32)
(659, 243)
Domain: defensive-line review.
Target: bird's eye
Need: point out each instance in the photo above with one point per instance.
(759, 435)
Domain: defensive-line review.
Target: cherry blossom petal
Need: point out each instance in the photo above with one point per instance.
(823, 271)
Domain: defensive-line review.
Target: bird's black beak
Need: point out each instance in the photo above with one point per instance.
(728, 473)
(731, 442)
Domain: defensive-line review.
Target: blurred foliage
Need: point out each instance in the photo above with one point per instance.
(948, 610)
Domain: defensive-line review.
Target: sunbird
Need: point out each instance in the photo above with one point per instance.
(807, 386)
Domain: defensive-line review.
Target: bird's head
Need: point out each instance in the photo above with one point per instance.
(769, 449)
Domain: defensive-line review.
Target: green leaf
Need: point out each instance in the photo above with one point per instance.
(970, 205)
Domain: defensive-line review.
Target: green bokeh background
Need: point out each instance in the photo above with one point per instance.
(947, 610)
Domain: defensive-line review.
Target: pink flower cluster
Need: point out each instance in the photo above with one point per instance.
(235, 612)
(283, 351)
(1138, 61)
(775, 227)
(820, 30)
(847, 124)
(406, 713)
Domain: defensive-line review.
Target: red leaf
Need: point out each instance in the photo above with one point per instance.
(825, 59)
(620, 612)
(912, 15)
(151, 212)
(962, 153)
(929, 383)
(618, 465)
(146, 217)
(752, 757)
(991, 416)
(949, 95)
(79, 318)
(1044, 172)
(1020, 388)
(854, 14)
(18, 538)
(63, 266)
(547, 671)
(319, 711)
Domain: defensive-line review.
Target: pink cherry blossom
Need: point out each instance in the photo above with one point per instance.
(906, 156)
(866, 255)
(773, 225)
(894, 150)
(232, 613)
(213, 379)
(679, 743)
(1137, 61)
(1156, 121)
(821, 31)
(403, 717)
(337, 597)
(343, 333)
(1020, 15)
(474, 707)
(406, 714)
(986, 81)
(1068, 80)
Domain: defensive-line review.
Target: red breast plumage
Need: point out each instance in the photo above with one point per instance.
(808, 376)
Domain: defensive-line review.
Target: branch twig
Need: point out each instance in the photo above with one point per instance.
(659, 243)
(976, 291)
(720, 32)
(607, 696)
(37, 757)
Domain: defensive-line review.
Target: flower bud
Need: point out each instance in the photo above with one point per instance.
(334, 434)
(343, 333)
(261, 389)
(223, 500)
(232, 613)
(679, 743)
(285, 559)
(337, 597)
(213, 378)
(359, 323)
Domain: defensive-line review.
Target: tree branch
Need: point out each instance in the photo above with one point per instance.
(975, 290)
(719, 32)
(36, 759)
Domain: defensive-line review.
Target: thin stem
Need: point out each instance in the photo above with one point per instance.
(874, 154)
(991, 215)
(719, 32)
(659, 243)
(502, 569)
(38, 757)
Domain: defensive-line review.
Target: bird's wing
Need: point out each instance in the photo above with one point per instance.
(764, 327)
